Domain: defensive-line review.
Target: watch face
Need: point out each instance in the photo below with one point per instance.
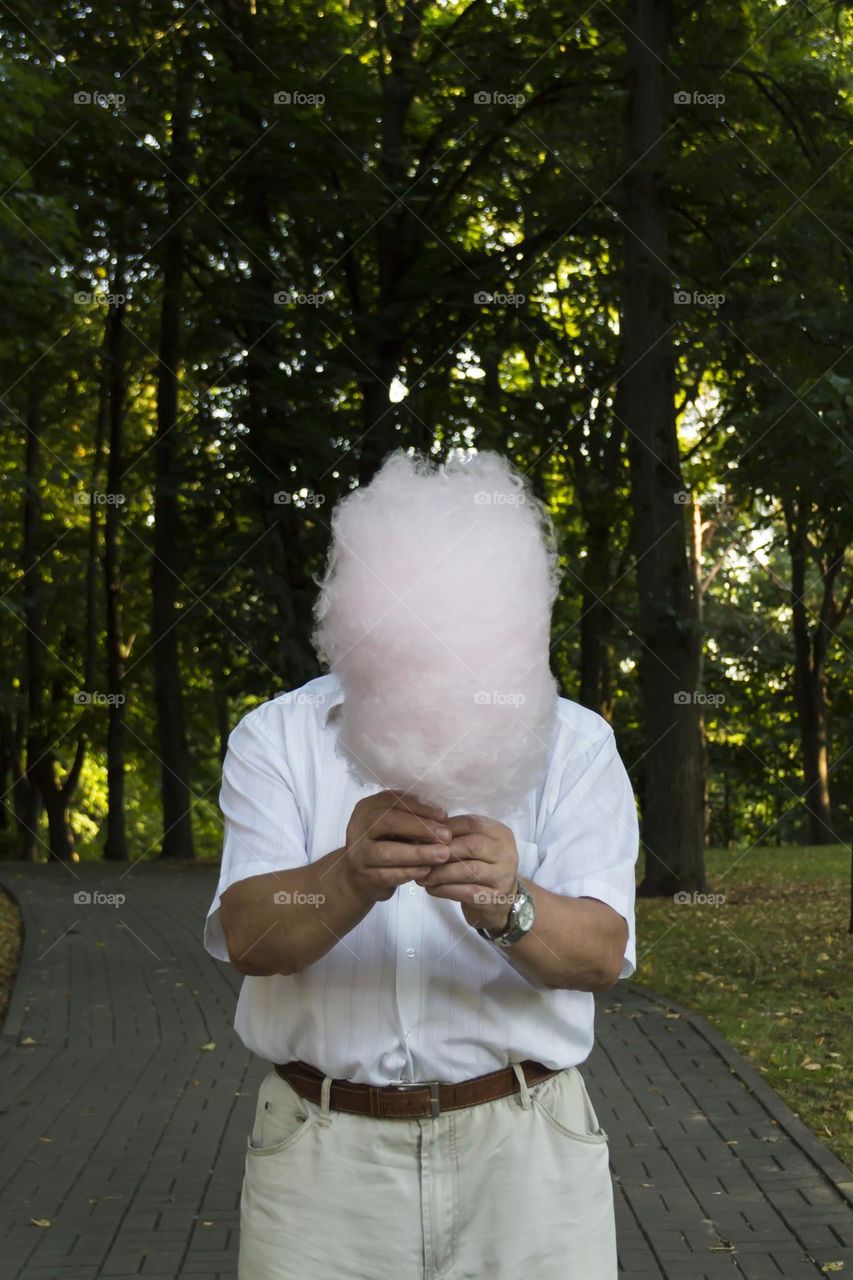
(525, 914)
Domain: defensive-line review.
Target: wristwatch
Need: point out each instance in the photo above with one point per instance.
(520, 921)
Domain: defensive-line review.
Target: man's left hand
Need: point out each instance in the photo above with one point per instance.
(481, 872)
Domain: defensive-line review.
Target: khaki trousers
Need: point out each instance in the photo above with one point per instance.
(519, 1186)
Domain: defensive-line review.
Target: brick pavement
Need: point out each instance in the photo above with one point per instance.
(126, 1131)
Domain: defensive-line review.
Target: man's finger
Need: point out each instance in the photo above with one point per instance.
(393, 853)
(392, 876)
(398, 824)
(473, 846)
(472, 824)
(459, 871)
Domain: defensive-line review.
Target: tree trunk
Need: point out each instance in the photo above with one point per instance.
(223, 723)
(268, 436)
(810, 685)
(595, 621)
(380, 435)
(814, 720)
(37, 781)
(56, 798)
(696, 531)
(6, 772)
(673, 826)
(26, 801)
(395, 241)
(101, 424)
(115, 847)
(728, 830)
(166, 563)
(26, 793)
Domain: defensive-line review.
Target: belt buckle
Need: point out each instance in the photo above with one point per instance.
(432, 1085)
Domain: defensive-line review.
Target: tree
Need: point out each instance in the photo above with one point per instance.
(673, 829)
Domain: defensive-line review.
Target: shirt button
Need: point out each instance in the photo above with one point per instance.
(412, 889)
(410, 951)
(408, 1033)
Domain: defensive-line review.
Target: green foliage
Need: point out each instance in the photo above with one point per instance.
(356, 161)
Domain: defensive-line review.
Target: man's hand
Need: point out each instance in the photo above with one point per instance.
(392, 838)
(481, 871)
(576, 943)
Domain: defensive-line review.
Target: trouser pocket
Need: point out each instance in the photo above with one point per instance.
(564, 1102)
(282, 1116)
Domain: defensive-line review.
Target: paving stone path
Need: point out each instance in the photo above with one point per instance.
(126, 1099)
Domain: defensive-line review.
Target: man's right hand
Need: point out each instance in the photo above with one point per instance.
(392, 838)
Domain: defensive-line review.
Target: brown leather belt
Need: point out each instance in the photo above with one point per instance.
(410, 1101)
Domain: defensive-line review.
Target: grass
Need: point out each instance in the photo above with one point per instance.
(770, 968)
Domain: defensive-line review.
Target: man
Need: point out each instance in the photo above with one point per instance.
(422, 982)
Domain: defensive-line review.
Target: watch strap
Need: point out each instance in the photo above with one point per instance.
(513, 932)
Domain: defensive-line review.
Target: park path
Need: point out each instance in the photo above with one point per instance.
(127, 1097)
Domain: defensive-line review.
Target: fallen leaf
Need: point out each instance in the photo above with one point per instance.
(211, 1045)
(40, 1222)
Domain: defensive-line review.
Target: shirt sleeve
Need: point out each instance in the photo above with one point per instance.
(263, 831)
(590, 841)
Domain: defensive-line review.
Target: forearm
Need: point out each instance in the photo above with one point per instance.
(575, 943)
(286, 920)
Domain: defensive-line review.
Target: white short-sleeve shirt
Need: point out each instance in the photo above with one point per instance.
(413, 992)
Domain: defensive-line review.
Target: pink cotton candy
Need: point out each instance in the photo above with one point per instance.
(435, 613)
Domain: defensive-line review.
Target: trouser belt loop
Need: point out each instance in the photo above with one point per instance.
(325, 1096)
(524, 1098)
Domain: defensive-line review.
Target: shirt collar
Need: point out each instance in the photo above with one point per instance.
(333, 701)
